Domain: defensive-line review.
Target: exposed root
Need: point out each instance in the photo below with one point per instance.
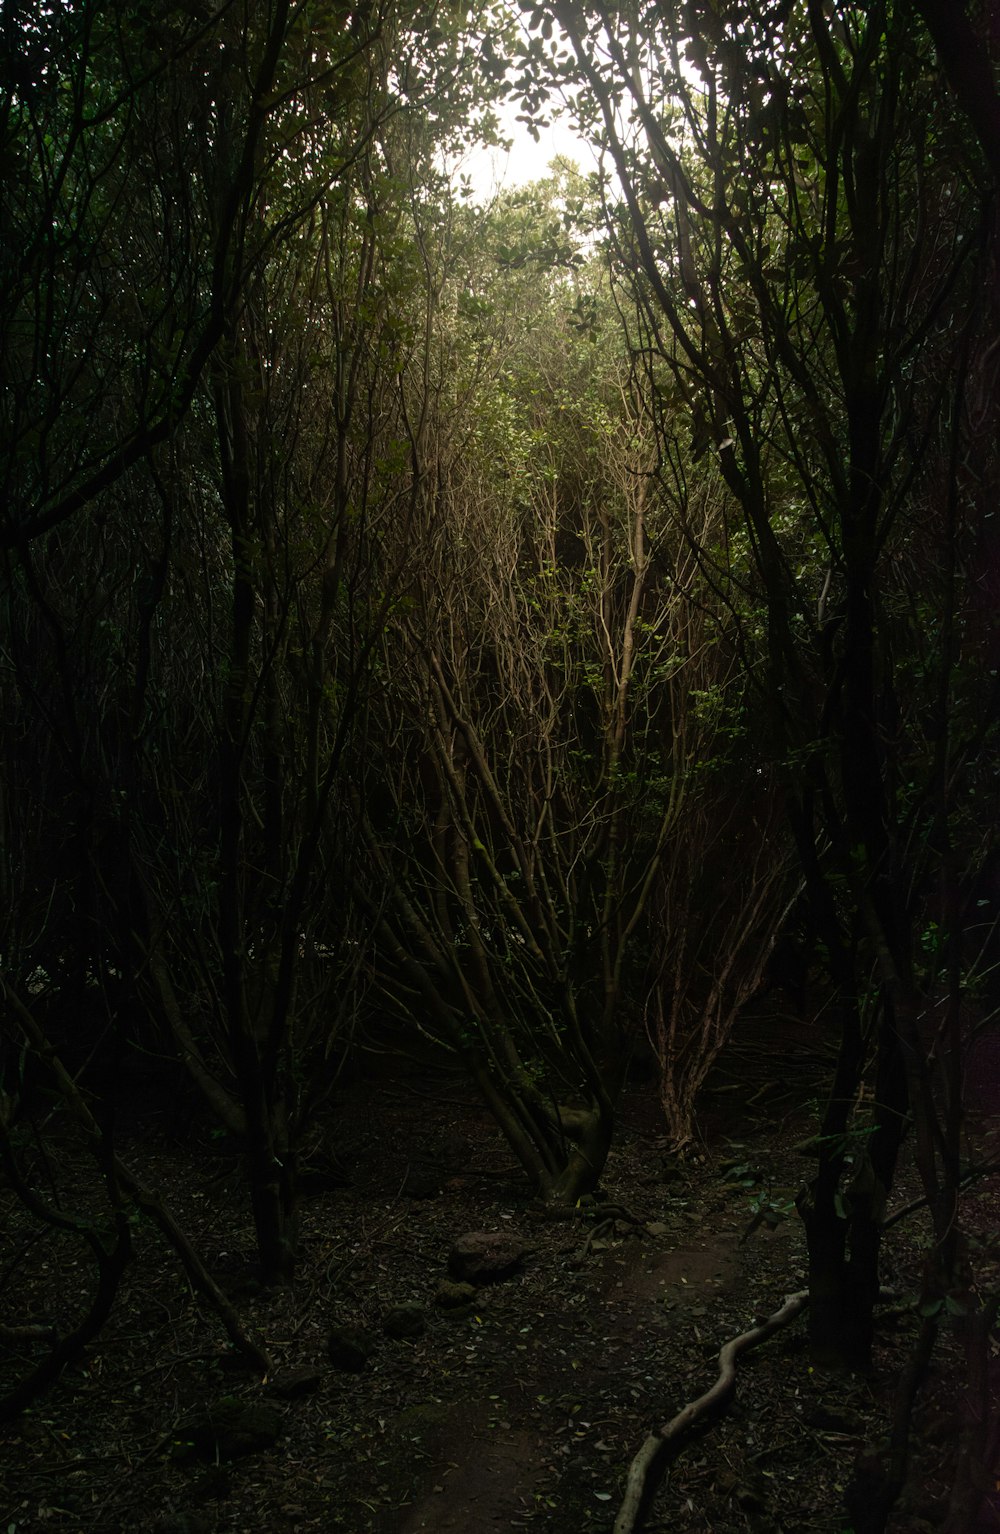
(646, 1468)
(601, 1229)
(606, 1217)
(29, 1332)
(122, 1179)
(623, 1216)
(594, 1209)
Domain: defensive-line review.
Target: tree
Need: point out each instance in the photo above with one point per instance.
(187, 653)
(105, 112)
(541, 681)
(804, 242)
(772, 217)
(967, 52)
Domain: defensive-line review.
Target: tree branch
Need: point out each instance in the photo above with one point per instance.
(644, 1472)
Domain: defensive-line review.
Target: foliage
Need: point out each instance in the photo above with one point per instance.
(446, 618)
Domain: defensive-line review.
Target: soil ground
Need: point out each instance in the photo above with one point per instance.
(520, 1412)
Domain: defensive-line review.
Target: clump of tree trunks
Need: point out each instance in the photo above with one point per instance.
(474, 630)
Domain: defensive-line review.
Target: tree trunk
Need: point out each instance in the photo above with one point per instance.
(587, 1143)
(271, 1173)
(833, 1333)
(869, 1190)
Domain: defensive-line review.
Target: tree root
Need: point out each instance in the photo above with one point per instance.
(119, 1177)
(623, 1216)
(606, 1217)
(646, 1468)
(596, 1232)
(31, 1331)
(66, 1350)
(972, 1174)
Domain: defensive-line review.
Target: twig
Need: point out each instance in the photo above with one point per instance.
(29, 1331)
(982, 1170)
(580, 1256)
(164, 1365)
(144, 1198)
(646, 1464)
(624, 1216)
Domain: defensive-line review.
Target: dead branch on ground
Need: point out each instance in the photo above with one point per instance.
(644, 1472)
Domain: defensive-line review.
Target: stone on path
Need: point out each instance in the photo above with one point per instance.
(404, 1323)
(421, 1182)
(349, 1348)
(485, 1257)
(454, 1296)
(229, 1429)
(293, 1383)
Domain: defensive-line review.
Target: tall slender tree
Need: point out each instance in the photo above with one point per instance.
(193, 474)
(803, 264)
(553, 678)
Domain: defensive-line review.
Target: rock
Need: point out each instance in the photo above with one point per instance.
(181, 1523)
(246, 1284)
(228, 1429)
(349, 1348)
(827, 1421)
(453, 1296)
(236, 1365)
(421, 1182)
(293, 1383)
(404, 1323)
(455, 1148)
(485, 1257)
(214, 1485)
(238, 1274)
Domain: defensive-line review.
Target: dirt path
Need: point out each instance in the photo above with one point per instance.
(484, 1467)
(522, 1412)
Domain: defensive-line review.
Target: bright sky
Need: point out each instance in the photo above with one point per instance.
(495, 169)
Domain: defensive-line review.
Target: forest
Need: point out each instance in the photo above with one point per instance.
(499, 807)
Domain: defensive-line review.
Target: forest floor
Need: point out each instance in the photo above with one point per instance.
(521, 1410)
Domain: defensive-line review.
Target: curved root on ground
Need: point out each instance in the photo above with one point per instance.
(642, 1475)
